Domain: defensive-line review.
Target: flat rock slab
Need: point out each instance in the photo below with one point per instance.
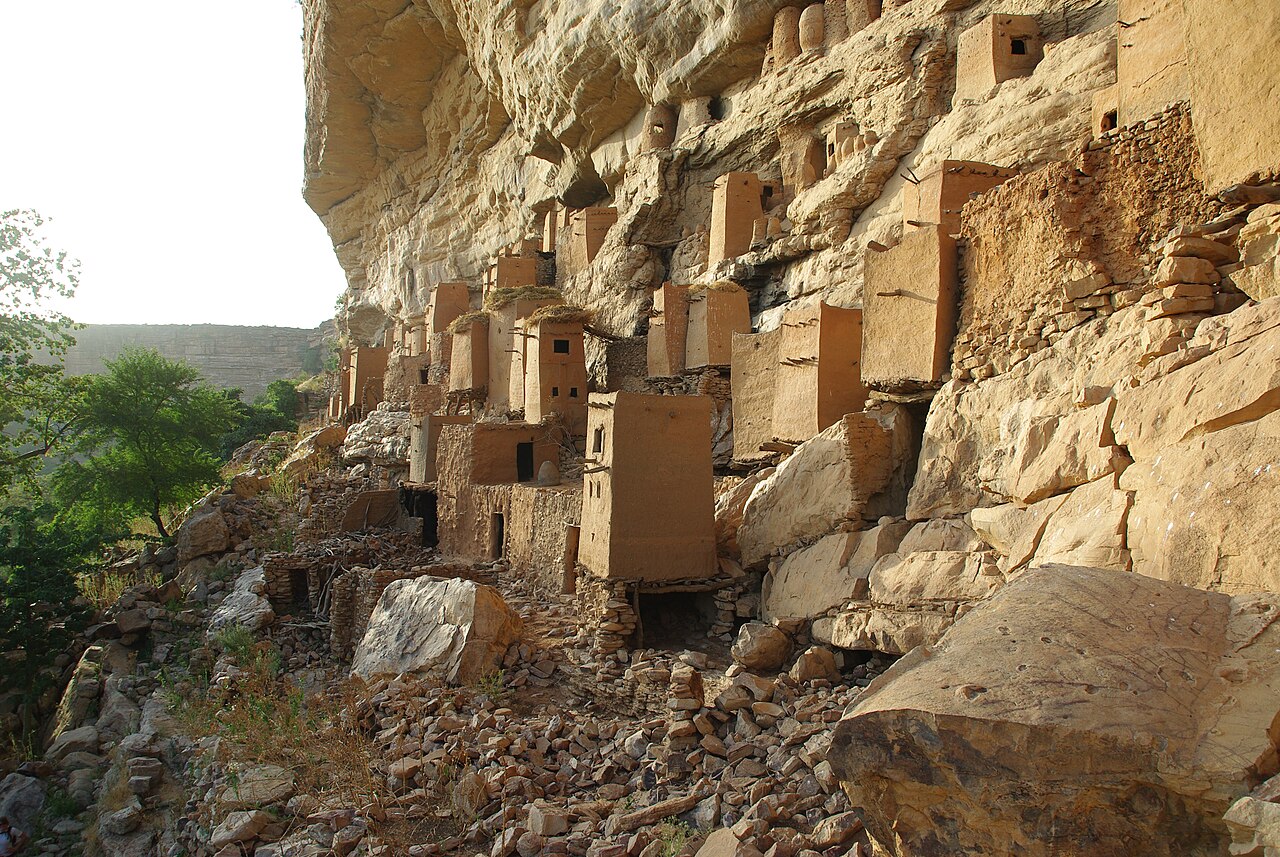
(1078, 711)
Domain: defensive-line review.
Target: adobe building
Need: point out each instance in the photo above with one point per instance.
(448, 301)
(424, 439)
(942, 193)
(860, 13)
(416, 340)
(716, 313)
(803, 158)
(842, 141)
(583, 237)
(996, 49)
(819, 375)
(910, 304)
(477, 465)
(738, 201)
(668, 331)
(511, 272)
(543, 534)
(368, 369)
(1151, 59)
(647, 506)
(507, 309)
(754, 382)
(551, 227)
(555, 373)
(469, 353)
(659, 129)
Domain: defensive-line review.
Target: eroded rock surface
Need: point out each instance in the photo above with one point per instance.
(1145, 702)
(452, 627)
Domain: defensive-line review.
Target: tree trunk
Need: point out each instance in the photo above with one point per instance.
(155, 516)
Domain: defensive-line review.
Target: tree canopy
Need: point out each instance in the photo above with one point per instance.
(37, 405)
(148, 437)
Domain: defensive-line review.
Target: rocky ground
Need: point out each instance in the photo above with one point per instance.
(184, 732)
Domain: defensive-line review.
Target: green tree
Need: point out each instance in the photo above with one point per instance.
(37, 405)
(274, 410)
(149, 436)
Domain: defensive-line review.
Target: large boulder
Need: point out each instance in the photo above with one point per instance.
(812, 581)
(454, 628)
(761, 647)
(381, 437)
(246, 605)
(21, 801)
(310, 452)
(204, 533)
(852, 470)
(1077, 711)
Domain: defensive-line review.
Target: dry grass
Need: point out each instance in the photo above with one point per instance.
(718, 286)
(499, 298)
(464, 321)
(268, 720)
(563, 314)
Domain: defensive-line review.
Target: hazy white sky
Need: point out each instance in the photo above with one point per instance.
(164, 140)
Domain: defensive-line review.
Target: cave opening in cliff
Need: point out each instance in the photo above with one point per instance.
(674, 620)
(718, 108)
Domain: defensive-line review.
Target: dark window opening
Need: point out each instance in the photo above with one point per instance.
(1110, 120)
(524, 462)
(597, 445)
(497, 536)
(298, 588)
(1019, 47)
(560, 346)
(423, 376)
(718, 108)
(573, 392)
(768, 191)
(674, 620)
(430, 520)
(555, 392)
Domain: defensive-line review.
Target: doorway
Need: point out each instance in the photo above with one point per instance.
(497, 535)
(524, 462)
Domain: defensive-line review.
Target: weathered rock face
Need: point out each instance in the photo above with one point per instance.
(455, 628)
(837, 477)
(442, 130)
(247, 605)
(204, 533)
(1077, 711)
(381, 437)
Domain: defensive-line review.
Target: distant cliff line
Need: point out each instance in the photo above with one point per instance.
(228, 356)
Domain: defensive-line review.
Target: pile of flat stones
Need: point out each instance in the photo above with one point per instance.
(590, 784)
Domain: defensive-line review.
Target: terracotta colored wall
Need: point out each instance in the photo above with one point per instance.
(649, 515)
(909, 311)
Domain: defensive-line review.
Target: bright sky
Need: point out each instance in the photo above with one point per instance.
(164, 141)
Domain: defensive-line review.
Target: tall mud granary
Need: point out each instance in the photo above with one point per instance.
(1053, 230)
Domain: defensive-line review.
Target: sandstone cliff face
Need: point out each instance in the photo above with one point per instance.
(439, 131)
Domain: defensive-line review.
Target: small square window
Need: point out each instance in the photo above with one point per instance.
(560, 346)
(555, 392)
(1019, 47)
(573, 392)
